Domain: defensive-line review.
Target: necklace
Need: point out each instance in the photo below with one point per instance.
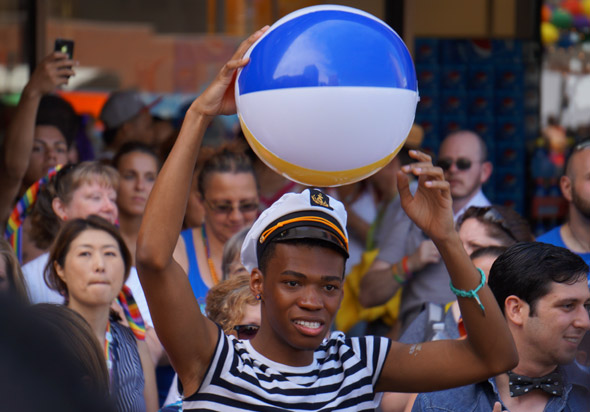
(209, 260)
(580, 244)
(108, 339)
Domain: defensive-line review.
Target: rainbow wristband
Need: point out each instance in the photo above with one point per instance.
(395, 273)
(473, 292)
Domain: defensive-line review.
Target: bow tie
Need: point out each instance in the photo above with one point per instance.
(520, 385)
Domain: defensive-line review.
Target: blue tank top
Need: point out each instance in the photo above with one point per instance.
(194, 276)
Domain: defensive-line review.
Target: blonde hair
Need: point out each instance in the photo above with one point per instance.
(225, 301)
(45, 223)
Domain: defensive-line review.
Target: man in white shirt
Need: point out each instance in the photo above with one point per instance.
(463, 158)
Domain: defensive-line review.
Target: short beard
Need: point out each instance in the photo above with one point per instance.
(582, 205)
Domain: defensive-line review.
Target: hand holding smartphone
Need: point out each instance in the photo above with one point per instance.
(65, 46)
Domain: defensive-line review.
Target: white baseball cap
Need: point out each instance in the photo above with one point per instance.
(310, 214)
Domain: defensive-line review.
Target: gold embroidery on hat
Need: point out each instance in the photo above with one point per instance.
(319, 199)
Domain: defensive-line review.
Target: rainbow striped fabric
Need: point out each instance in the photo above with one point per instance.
(127, 302)
(22, 209)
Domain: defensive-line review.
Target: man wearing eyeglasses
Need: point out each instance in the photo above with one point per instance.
(463, 157)
(574, 234)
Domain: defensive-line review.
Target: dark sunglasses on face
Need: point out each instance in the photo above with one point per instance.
(246, 332)
(227, 208)
(462, 163)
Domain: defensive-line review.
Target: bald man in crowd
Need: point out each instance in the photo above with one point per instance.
(406, 252)
(574, 234)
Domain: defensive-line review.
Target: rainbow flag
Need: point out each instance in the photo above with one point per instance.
(22, 209)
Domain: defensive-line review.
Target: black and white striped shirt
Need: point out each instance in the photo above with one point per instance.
(342, 377)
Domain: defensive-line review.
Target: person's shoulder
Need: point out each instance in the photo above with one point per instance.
(469, 398)
(36, 264)
(123, 332)
(552, 237)
(339, 342)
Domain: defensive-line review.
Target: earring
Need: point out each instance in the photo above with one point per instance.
(258, 297)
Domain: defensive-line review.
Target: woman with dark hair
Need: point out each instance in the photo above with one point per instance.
(229, 196)
(88, 265)
(494, 225)
(71, 329)
(138, 166)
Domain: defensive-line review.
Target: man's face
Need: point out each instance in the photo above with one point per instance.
(560, 320)
(458, 151)
(580, 178)
(302, 291)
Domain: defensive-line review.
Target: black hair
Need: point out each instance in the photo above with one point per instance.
(528, 269)
(36, 353)
(55, 111)
(108, 136)
(269, 251)
(132, 147)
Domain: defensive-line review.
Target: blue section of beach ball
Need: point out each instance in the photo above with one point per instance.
(329, 48)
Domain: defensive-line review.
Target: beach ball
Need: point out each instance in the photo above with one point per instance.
(328, 97)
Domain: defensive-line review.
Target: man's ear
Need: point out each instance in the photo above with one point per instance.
(59, 208)
(257, 283)
(516, 310)
(486, 171)
(565, 183)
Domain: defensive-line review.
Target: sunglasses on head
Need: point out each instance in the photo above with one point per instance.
(581, 146)
(246, 332)
(491, 215)
(462, 163)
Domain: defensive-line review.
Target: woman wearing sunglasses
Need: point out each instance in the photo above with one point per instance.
(229, 196)
(232, 306)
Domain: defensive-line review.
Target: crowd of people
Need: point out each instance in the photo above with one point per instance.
(162, 275)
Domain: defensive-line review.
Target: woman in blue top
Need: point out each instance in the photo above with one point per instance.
(229, 196)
